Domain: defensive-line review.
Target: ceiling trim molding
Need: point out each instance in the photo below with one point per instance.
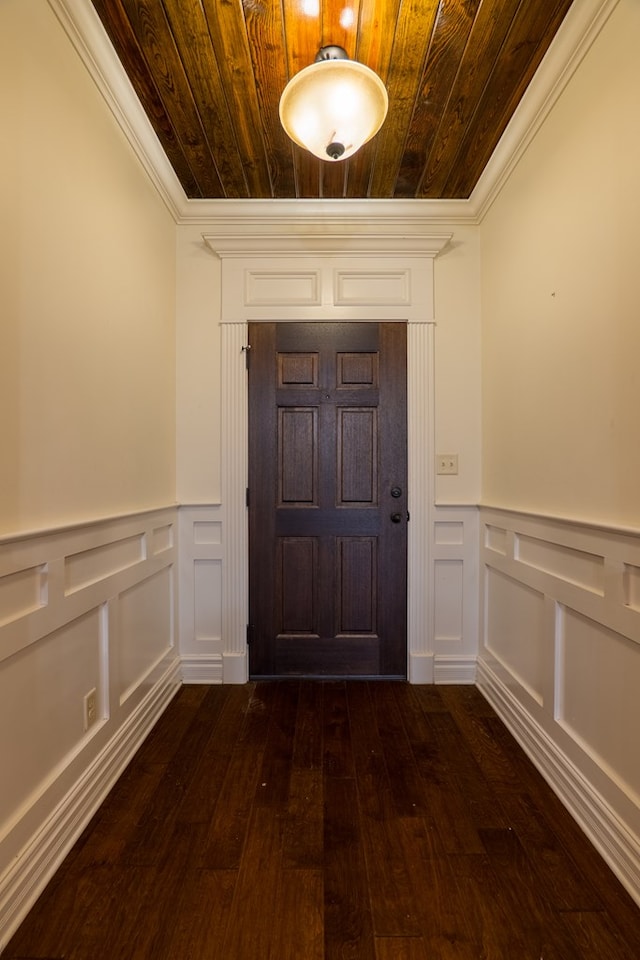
(578, 31)
(84, 28)
(325, 232)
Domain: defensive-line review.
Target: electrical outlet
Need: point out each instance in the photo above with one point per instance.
(90, 708)
(447, 463)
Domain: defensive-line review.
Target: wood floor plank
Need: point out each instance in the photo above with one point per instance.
(300, 902)
(402, 948)
(303, 820)
(201, 795)
(254, 915)
(407, 788)
(303, 840)
(337, 747)
(237, 786)
(392, 844)
(273, 782)
(348, 928)
(199, 917)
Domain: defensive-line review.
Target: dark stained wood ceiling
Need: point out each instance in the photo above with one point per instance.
(209, 74)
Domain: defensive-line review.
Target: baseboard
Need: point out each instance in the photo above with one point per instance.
(454, 669)
(235, 667)
(420, 668)
(616, 843)
(26, 878)
(201, 668)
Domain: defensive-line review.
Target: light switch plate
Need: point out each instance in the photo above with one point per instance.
(447, 463)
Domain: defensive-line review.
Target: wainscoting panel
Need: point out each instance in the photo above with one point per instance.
(560, 661)
(454, 593)
(86, 614)
(201, 570)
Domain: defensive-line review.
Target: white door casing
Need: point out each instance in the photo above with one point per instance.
(337, 269)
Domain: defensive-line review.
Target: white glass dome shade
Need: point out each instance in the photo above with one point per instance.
(334, 106)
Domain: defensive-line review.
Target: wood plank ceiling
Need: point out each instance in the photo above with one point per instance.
(209, 74)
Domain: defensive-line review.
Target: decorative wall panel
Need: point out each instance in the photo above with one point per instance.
(22, 593)
(514, 630)
(207, 600)
(98, 563)
(45, 716)
(265, 288)
(392, 288)
(145, 629)
(597, 696)
(85, 609)
(454, 593)
(576, 566)
(201, 593)
(560, 660)
(449, 610)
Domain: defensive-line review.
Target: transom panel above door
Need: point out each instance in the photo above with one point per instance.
(327, 499)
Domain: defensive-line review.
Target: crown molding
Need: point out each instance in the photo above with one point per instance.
(84, 28)
(578, 31)
(329, 229)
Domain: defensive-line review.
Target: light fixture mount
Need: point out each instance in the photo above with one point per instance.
(331, 52)
(333, 106)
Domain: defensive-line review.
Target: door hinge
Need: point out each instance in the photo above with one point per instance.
(246, 497)
(247, 353)
(249, 634)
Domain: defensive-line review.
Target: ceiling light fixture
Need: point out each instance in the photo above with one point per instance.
(334, 106)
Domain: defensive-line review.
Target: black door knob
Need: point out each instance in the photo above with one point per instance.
(396, 517)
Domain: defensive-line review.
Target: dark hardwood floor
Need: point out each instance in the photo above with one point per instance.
(347, 821)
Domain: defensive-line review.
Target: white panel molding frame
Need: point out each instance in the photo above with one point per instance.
(340, 253)
(90, 606)
(560, 662)
(454, 592)
(201, 648)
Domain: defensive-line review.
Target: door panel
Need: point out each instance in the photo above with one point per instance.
(327, 445)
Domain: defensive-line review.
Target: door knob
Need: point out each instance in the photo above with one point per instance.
(396, 517)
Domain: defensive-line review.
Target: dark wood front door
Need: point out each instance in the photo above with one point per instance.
(327, 499)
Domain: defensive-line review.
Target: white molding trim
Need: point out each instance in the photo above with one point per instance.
(454, 669)
(421, 456)
(28, 875)
(601, 526)
(617, 846)
(202, 668)
(576, 34)
(329, 231)
(419, 249)
(84, 28)
(235, 458)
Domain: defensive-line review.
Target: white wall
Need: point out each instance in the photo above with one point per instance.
(561, 300)
(87, 451)
(560, 532)
(87, 295)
